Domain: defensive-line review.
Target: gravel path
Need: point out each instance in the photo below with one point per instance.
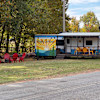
(79, 87)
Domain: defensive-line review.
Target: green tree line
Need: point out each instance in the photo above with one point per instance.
(20, 20)
(90, 23)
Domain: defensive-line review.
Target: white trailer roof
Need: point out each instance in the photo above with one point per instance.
(80, 34)
(72, 34)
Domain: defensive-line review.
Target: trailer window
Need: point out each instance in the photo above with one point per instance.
(68, 41)
(59, 42)
(88, 42)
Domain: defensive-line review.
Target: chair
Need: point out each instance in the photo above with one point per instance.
(22, 58)
(0, 59)
(7, 58)
(78, 50)
(90, 51)
(15, 56)
(85, 50)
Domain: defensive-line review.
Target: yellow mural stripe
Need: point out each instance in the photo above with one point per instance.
(40, 48)
(53, 43)
(46, 44)
(42, 42)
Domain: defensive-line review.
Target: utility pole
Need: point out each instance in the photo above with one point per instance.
(78, 27)
(63, 16)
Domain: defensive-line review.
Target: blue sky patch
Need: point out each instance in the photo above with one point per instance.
(78, 8)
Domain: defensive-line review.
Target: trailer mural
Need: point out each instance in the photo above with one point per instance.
(45, 47)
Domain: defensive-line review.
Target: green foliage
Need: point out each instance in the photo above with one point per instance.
(47, 16)
(21, 19)
(74, 25)
(15, 14)
(91, 23)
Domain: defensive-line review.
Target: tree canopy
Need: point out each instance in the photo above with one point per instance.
(74, 25)
(48, 16)
(91, 23)
(21, 19)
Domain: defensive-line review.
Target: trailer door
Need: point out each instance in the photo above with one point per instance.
(68, 45)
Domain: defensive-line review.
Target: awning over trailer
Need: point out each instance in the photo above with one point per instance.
(80, 34)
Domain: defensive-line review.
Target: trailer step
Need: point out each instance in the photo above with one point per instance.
(60, 56)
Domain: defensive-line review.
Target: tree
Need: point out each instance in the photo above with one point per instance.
(21, 16)
(48, 16)
(5, 19)
(56, 24)
(91, 23)
(14, 14)
(74, 25)
(67, 21)
(21, 19)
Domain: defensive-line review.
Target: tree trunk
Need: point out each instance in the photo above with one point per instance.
(7, 43)
(18, 42)
(17, 46)
(24, 45)
(2, 36)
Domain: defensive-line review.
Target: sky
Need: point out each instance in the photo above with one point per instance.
(78, 8)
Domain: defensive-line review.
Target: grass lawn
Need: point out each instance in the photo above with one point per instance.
(12, 72)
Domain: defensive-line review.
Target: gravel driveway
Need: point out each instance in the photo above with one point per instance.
(78, 87)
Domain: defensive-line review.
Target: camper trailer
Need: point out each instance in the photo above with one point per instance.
(69, 44)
